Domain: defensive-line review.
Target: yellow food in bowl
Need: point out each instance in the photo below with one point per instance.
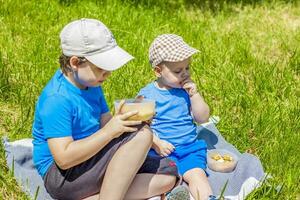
(225, 157)
(216, 157)
(145, 108)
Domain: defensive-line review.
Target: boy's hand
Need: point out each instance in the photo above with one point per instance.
(118, 125)
(190, 87)
(163, 148)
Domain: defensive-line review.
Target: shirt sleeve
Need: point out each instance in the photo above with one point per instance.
(143, 93)
(103, 104)
(56, 116)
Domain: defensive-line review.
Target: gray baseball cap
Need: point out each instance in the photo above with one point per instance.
(91, 39)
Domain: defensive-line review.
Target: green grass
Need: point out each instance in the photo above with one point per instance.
(248, 69)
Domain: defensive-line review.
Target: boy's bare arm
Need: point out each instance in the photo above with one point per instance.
(156, 141)
(68, 152)
(199, 107)
(162, 147)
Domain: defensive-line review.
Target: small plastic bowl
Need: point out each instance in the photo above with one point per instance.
(145, 108)
(221, 160)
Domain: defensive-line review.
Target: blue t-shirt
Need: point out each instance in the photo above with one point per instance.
(64, 110)
(173, 121)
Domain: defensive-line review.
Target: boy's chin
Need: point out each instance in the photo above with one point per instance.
(178, 86)
(171, 85)
(174, 86)
(96, 84)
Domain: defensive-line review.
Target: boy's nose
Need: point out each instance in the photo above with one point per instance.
(185, 75)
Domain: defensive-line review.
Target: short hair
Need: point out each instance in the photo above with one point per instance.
(64, 62)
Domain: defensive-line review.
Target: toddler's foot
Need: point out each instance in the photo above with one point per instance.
(179, 193)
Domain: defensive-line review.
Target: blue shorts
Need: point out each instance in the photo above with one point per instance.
(189, 156)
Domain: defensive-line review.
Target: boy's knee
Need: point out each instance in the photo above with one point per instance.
(194, 175)
(145, 135)
(168, 182)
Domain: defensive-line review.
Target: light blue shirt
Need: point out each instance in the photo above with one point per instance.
(173, 121)
(64, 110)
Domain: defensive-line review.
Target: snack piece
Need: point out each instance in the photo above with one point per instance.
(216, 157)
(227, 157)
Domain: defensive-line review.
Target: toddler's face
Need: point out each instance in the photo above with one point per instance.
(89, 75)
(173, 74)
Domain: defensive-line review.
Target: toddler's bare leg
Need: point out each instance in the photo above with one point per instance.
(124, 165)
(198, 183)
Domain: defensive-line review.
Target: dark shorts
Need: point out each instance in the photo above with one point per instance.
(86, 178)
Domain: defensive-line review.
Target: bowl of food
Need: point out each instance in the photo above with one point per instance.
(221, 160)
(145, 108)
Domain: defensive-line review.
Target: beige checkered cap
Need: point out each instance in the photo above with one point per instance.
(169, 47)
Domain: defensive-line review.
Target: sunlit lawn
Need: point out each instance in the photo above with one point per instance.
(247, 70)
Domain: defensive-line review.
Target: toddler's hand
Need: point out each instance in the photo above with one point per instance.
(163, 148)
(190, 87)
(118, 125)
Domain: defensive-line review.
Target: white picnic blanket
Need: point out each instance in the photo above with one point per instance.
(247, 175)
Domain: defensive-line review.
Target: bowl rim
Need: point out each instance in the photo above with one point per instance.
(131, 101)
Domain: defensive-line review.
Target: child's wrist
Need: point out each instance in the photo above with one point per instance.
(191, 94)
(156, 147)
(156, 141)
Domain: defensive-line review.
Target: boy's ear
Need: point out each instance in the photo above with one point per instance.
(74, 63)
(157, 71)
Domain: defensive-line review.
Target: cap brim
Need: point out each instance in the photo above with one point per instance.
(110, 60)
(187, 52)
(184, 53)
